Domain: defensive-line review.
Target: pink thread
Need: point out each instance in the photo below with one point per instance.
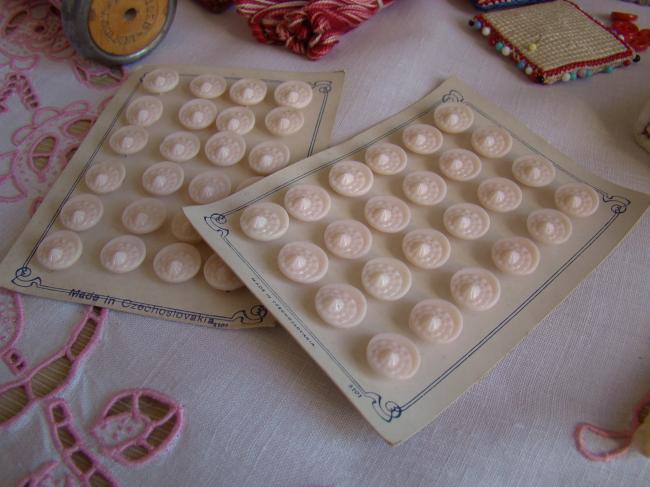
(11, 326)
(41, 474)
(18, 83)
(92, 314)
(116, 433)
(307, 27)
(640, 410)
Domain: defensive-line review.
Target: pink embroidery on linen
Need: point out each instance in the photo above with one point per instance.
(34, 386)
(18, 84)
(47, 476)
(138, 424)
(79, 460)
(11, 326)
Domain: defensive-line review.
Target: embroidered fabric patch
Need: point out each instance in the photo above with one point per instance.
(554, 41)
(486, 5)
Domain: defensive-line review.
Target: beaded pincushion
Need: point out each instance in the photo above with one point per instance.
(554, 41)
(487, 5)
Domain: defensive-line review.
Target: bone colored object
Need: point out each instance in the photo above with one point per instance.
(466, 221)
(386, 158)
(59, 250)
(209, 186)
(350, 178)
(264, 221)
(128, 140)
(219, 276)
(518, 256)
(340, 305)
(387, 214)
(492, 142)
(208, 86)
(393, 356)
(453, 118)
(386, 278)
(123, 254)
(197, 114)
(180, 146)
(436, 321)
(426, 248)
(105, 177)
(307, 202)
(225, 148)
(81, 212)
(144, 111)
(459, 164)
(283, 121)
(145, 215)
(294, 94)
(248, 91)
(577, 200)
(499, 194)
(163, 178)
(549, 226)
(422, 138)
(303, 262)
(533, 171)
(424, 188)
(268, 157)
(177, 262)
(161, 80)
(475, 288)
(240, 120)
(348, 239)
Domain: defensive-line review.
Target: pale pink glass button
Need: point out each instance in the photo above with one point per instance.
(248, 91)
(386, 158)
(145, 215)
(129, 139)
(421, 138)
(183, 230)
(248, 181)
(549, 226)
(303, 262)
(268, 157)
(163, 178)
(499, 194)
(225, 148)
(307, 202)
(264, 221)
(294, 94)
(350, 178)
(453, 118)
(105, 177)
(197, 114)
(340, 305)
(436, 321)
(208, 86)
(475, 289)
(387, 214)
(348, 239)
(123, 254)
(518, 256)
(144, 111)
(82, 212)
(180, 146)
(160, 80)
(426, 248)
(209, 186)
(240, 120)
(219, 276)
(424, 188)
(393, 356)
(283, 121)
(386, 278)
(533, 171)
(576, 199)
(492, 142)
(59, 250)
(466, 221)
(459, 164)
(177, 262)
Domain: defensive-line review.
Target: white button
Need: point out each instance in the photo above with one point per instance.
(219, 276)
(82, 212)
(268, 157)
(247, 182)
(307, 202)
(209, 186)
(386, 278)
(387, 214)
(129, 139)
(459, 164)
(516, 255)
(492, 142)
(348, 239)
(105, 177)
(533, 171)
(576, 199)
(208, 86)
(426, 248)
(144, 111)
(422, 138)
(466, 221)
(264, 221)
(248, 91)
(240, 120)
(180, 146)
(145, 215)
(393, 356)
(303, 262)
(123, 254)
(350, 178)
(283, 121)
(424, 188)
(436, 321)
(386, 158)
(163, 178)
(177, 262)
(499, 194)
(453, 118)
(225, 148)
(340, 305)
(183, 230)
(549, 226)
(475, 288)
(197, 114)
(59, 250)
(294, 94)
(160, 80)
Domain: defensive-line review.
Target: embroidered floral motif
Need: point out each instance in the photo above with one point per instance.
(11, 326)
